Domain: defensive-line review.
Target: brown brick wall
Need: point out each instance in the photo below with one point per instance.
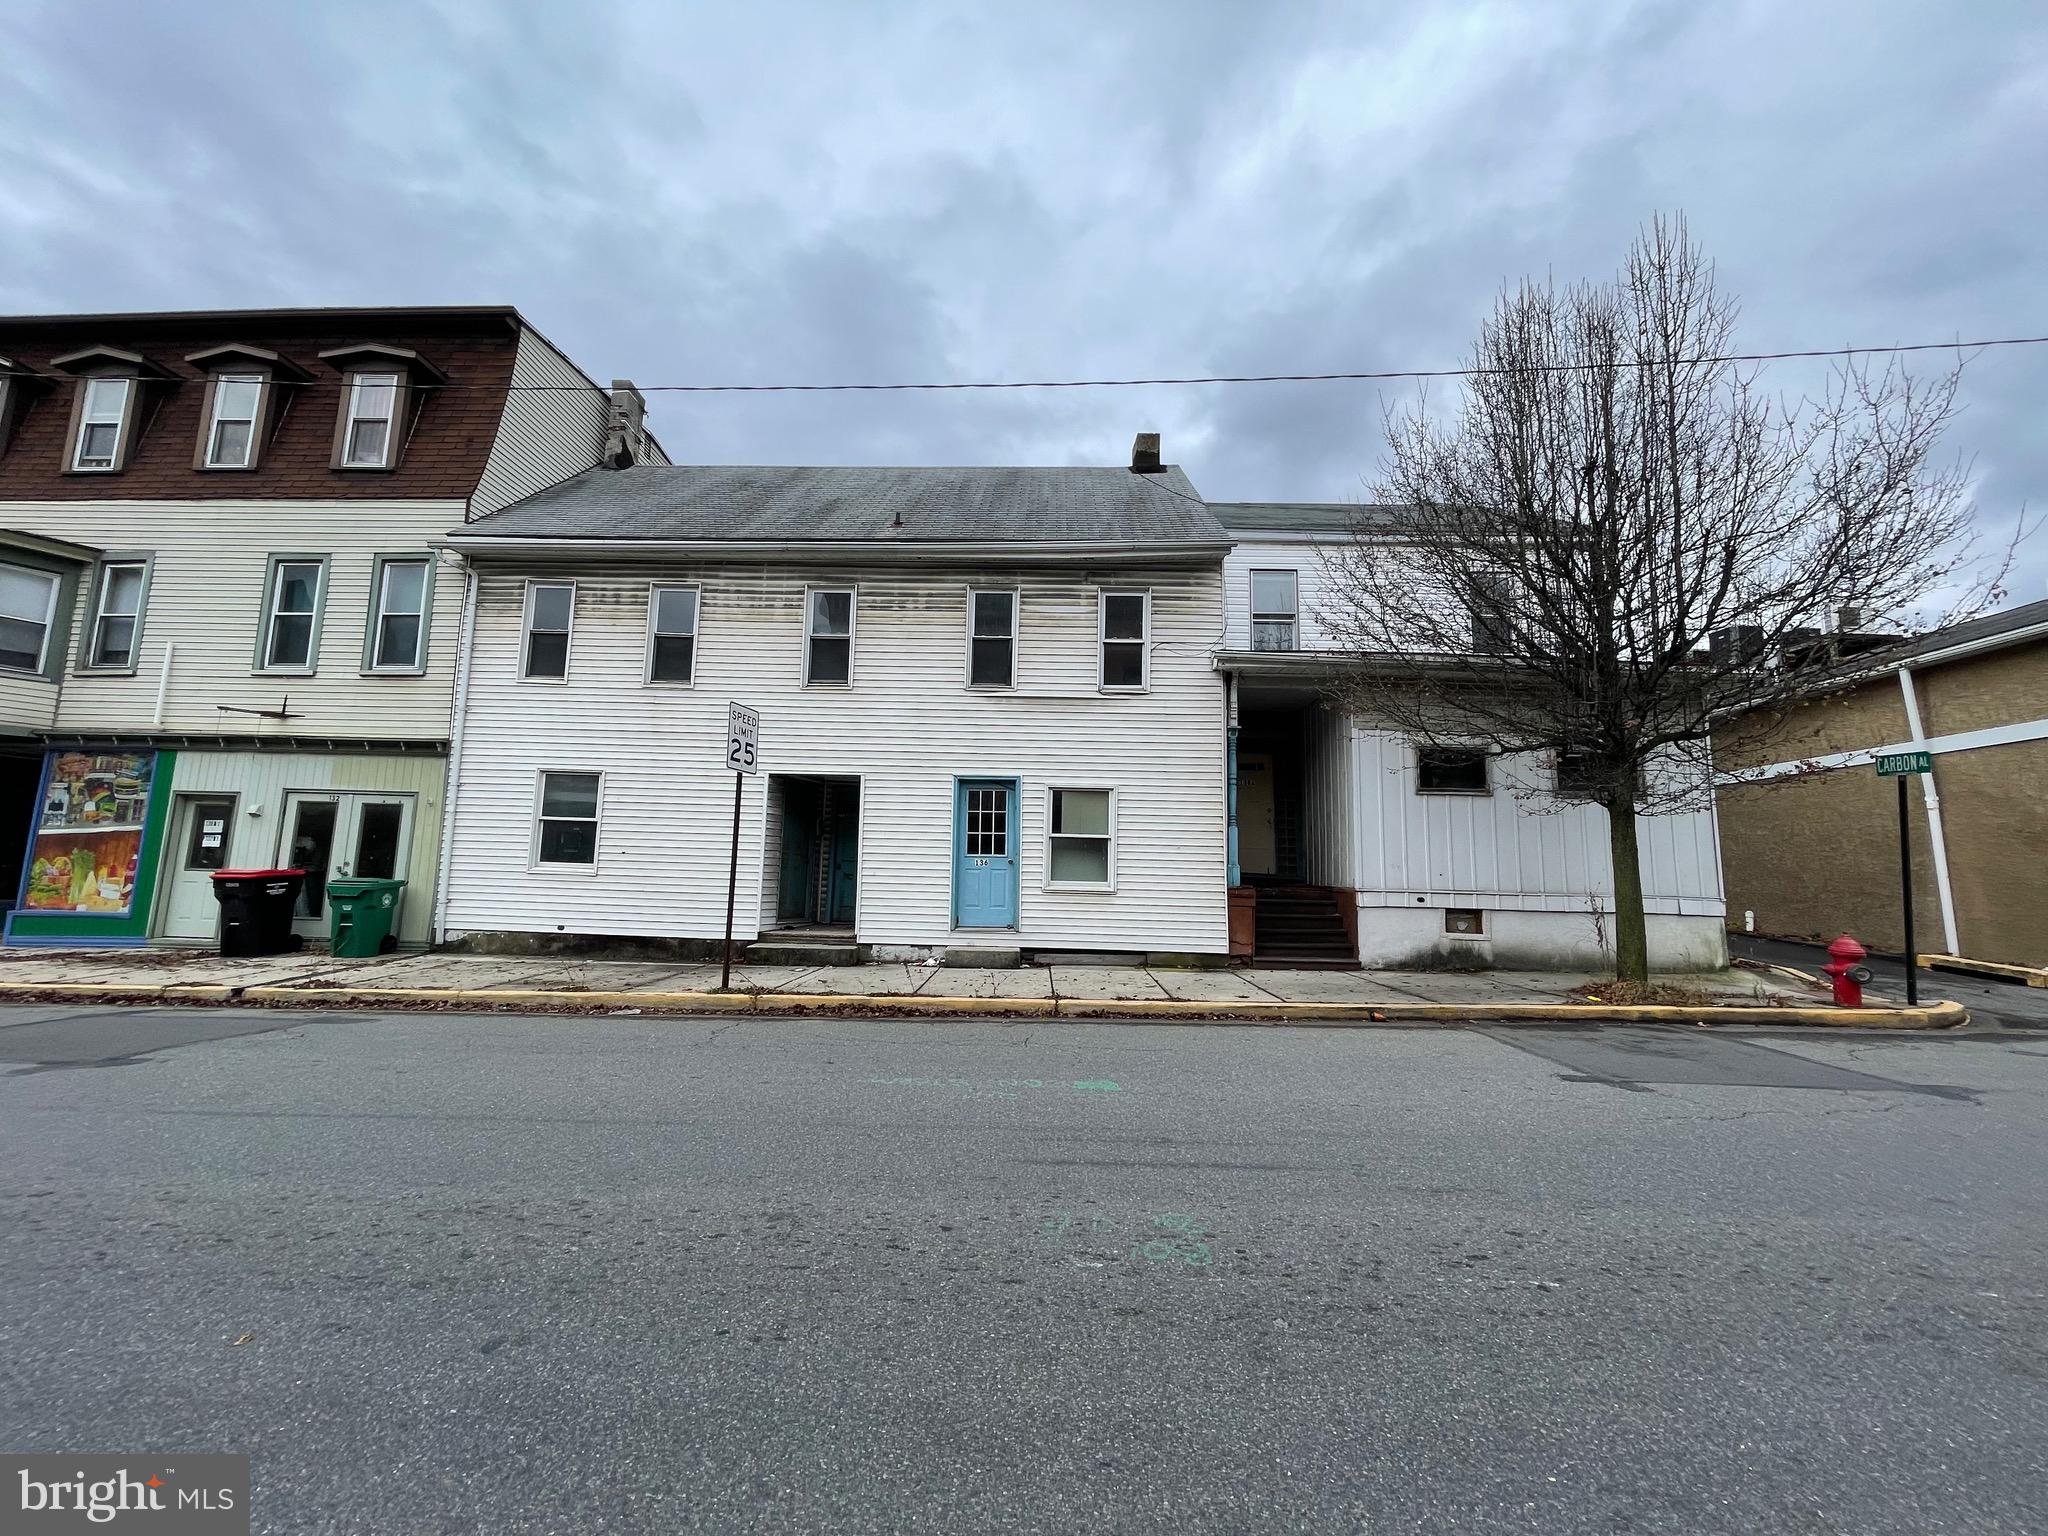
(1994, 817)
(2002, 688)
(444, 458)
(1866, 716)
(1816, 855)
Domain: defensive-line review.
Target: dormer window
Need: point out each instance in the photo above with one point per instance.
(239, 405)
(103, 408)
(231, 435)
(372, 409)
(102, 423)
(380, 390)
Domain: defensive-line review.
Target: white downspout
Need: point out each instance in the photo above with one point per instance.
(463, 647)
(163, 681)
(1932, 799)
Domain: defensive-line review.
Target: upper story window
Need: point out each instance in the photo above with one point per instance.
(398, 615)
(231, 424)
(116, 633)
(1490, 604)
(992, 639)
(828, 638)
(291, 628)
(371, 415)
(672, 634)
(28, 605)
(1274, 619)
(1125, 621)
(102, 424)
(550, 613)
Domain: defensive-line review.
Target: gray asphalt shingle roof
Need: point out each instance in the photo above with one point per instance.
(767, 503)
(1302, 516)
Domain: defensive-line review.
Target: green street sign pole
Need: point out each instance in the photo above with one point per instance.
(1906, 897)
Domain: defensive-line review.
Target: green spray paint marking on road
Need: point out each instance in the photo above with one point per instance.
(1184, 1239)
(1101, 1086)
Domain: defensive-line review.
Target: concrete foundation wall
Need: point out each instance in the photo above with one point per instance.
(1398, 938)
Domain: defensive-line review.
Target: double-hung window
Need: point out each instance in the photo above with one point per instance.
(398, 619)
(1125, 623)
(117, 615)
(291, 620)
(369, 431)
(565, 830)
(672, 634)
(992, 639)
(28, 603)
(1275, 625)
(102, 416)
(231, 433)
(828, 637)
(1080, 838)
(550, 613)
(1490, 603)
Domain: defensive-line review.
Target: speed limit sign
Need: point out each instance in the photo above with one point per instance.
(742, 739)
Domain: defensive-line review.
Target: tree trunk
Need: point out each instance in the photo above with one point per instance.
(1631, 938)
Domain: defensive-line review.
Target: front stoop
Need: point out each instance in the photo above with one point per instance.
(804, 952)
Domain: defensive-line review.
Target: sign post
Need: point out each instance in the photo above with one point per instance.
(1902, 766)
(742, 756)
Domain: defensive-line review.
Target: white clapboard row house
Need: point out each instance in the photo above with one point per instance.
(227, 635)
(403, 592)
(1003, 710)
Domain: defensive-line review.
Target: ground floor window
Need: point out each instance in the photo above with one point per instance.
(1080, 838)
(567, 830)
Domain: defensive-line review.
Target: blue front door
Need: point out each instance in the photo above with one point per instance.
(985, 854)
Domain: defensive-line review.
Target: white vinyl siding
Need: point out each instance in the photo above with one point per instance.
(205, 606)
(908, 731)
(1506, 849)
(1304, 559)
(26, 703)
(553, 427)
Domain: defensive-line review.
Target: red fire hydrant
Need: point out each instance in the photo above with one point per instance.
(1849, 977)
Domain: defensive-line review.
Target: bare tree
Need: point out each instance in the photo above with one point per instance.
(1603, 548)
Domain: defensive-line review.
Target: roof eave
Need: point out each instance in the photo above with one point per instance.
(865, 550)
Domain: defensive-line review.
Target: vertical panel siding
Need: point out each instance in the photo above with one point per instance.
(206, 596)
(1330, 808)
(907, 728)
(260, 780)
(547, 433)
(1525, 851)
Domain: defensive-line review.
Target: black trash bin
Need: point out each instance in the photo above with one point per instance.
(256, 910)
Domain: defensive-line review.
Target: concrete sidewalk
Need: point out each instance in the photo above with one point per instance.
(542, 982)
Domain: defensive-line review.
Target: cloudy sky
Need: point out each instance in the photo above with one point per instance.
(837, 192)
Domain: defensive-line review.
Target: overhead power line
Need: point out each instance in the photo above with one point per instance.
(1362, 376)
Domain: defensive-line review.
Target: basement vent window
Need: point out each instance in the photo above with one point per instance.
(1450, 771)
(1465, 922)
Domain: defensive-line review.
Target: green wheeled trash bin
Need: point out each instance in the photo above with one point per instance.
(365, 915)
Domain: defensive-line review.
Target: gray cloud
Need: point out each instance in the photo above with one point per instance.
(833, 193)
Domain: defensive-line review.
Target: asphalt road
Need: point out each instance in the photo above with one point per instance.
(441, 1273)
(2006, 1004)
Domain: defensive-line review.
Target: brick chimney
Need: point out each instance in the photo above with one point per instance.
(625, 433)
(1145, 454)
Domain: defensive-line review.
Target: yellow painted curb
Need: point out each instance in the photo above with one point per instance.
(814, 1002)
(1943, 1015)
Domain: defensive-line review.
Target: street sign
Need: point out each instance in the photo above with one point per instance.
(742, 739)
(1904, 762)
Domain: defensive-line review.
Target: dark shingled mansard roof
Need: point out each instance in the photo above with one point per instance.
(771, 504)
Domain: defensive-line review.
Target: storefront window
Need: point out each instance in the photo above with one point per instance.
(89, 833)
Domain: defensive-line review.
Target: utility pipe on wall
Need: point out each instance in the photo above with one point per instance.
(163, 681)
(1932, 799)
